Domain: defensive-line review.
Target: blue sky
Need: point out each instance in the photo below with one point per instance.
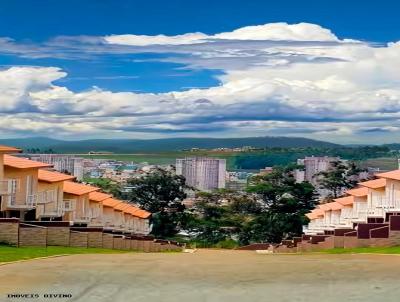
(68, 57)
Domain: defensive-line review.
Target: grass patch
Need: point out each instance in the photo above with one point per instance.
(365, 250)
(9, 253)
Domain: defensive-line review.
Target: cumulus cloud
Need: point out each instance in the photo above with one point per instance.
(277, 79)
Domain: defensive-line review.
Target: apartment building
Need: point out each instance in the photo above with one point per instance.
(202, 173)
(63, 163)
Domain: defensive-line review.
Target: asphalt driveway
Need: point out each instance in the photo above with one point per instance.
(204, 276)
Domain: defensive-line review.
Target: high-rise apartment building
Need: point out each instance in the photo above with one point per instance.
(312, 166)
(63, 163)
(202, 173)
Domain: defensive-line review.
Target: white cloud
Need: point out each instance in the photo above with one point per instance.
(279, 79)
(270, 32)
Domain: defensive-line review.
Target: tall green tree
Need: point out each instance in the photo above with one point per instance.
(286, 202)
(161, 193)
(339, 177)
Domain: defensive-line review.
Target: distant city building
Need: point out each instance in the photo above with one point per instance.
(202, 173)
(312, 166)
(62, 163)
(266, 170)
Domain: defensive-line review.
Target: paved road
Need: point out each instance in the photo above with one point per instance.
(206, 276)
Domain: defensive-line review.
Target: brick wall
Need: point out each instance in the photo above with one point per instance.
(9, 231)
(78, 239)
(95, 239)
(58, 236)
(32, 236)
(126, 243)
(134, 244)
(328, 243)
(118, 243)
(338, 241)
(108, 241)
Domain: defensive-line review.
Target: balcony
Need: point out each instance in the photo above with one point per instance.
(8, 186)
(17, 202)
(49, 210)
(46, 197)
(69, 205)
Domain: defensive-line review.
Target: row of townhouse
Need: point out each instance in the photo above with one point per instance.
(30, 191)
(368, 215)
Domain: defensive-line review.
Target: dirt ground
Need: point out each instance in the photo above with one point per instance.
(207, 275)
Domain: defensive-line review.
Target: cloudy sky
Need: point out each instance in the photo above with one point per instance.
(107, 69)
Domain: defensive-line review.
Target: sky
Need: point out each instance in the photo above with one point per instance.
(325, 70)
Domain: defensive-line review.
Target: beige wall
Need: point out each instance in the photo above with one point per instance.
(96, 208)
(108, 216)
(81, 208)
(1, 166)
(22, 175)
(51, 207)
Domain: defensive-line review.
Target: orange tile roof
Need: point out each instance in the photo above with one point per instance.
(314, 214)
(358, 192)
(52, 176)
(324, 207)
(122, 207)
(111, 202)
(311, 216)
(142, 214)
(7, 149)
(77, 188)
(348, 200)
(98, 196)
(374, 184)
(395, 174)
(23, 163)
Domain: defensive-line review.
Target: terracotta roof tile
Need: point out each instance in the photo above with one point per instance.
(348, 200)
(111, 202)
(98, 196)
(52, 176)
(391, 175)
(23, 163)
(7, 149)
(77, 188)
(358, 192)
(374, 184)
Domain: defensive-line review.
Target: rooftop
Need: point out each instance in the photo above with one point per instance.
(23, 163)
(52, 176)
(98, 196)
(374, 184)
(391, 175)
(348, 200)
(358, 192)
(7, 149)
(77, 188)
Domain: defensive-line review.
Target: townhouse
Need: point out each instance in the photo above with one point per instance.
(22, 177)
(31, 192)
(51, 195)
(368, 215)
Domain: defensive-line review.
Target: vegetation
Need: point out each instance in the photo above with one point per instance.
(107, 185)
(365, 250)
(272, 210)
(161, 193)
(10, 253)
(283, 156)
(340, 177)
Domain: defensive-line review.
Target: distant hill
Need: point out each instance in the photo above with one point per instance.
(159, 145)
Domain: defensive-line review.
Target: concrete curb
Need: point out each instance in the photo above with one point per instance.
(38, 258)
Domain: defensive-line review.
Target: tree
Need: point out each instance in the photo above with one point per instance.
(286, 203)
(160, 193)
(339, 177)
